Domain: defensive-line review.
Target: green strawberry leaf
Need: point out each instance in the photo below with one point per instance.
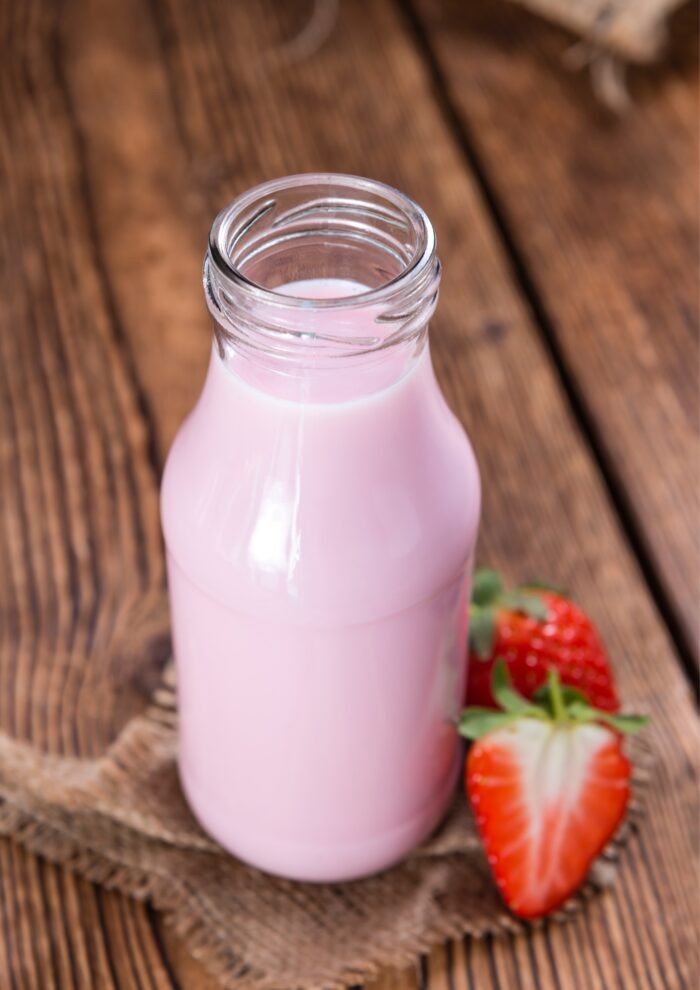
(569, 695)
(482, 631)
(486, 587)
(476, 722)
(520, 601)
(626, 724)
(552, 700)
(507, 697)
(556, 702)
(572, 695)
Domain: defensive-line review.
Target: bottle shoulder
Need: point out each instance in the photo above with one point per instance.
(312, 505)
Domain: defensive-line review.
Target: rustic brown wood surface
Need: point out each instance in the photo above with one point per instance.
(603, 221)
(124, 126)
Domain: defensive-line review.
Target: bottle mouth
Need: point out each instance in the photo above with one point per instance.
(321, 227)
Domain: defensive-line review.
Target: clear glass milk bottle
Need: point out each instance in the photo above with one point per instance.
(320, 509)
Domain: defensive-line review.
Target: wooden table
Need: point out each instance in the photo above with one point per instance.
(566, 341)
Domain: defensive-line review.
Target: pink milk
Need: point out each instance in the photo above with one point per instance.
(320, 526)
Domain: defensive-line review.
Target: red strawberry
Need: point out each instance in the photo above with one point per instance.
(549, 785)
(534, 630)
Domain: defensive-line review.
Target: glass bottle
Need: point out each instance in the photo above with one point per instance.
(320, 508)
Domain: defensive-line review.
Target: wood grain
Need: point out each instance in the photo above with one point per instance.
(241, 113)
(123, 143)
(603, 216)
(82, 621)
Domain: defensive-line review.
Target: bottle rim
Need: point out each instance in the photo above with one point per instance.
(234, 220)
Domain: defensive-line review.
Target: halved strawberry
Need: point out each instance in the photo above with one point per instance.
(549, 785)
(534, 629)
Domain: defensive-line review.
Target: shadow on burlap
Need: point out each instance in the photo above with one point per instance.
(122, 822)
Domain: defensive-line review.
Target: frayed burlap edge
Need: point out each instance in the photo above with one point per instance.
(64, 809)
(634, 30)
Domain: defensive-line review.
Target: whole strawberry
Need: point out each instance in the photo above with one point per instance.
(534, 630)
(549, 785)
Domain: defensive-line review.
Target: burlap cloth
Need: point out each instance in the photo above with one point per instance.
(122, 822)
(634, 30)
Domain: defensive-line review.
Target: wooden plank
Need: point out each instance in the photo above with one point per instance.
(82, 573)
(604, 213)
(230, 110)
(164, 142)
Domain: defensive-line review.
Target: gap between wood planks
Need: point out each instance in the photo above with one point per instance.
(631, 526)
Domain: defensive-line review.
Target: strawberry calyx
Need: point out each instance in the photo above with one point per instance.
(489, 596)
(554, 702)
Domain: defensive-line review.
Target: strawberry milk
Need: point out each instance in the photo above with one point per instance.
(320, 507)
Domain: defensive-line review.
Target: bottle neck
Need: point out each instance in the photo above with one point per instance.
(349, 379)
(321, 286)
